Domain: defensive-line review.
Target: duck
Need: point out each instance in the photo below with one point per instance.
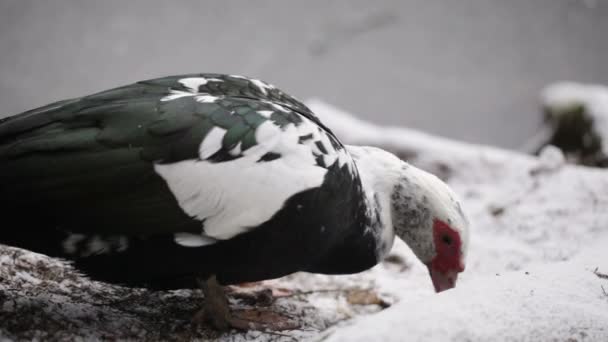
(207, 180)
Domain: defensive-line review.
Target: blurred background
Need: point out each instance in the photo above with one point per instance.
(467, 69)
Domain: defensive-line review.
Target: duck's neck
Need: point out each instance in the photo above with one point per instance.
(379, 172)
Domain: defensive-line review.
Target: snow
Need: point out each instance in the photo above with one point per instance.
(562, 96)
(539, 229)
(562, 301)
(537, 256)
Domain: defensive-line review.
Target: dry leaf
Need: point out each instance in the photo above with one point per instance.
(365, 297)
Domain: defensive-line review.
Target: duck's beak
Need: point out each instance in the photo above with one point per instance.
(443, 280)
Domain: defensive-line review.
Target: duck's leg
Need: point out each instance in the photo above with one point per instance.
(216, 312)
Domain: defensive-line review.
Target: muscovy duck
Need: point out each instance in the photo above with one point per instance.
(209, 180)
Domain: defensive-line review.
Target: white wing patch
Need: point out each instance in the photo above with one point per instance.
(330, 153)
(206, 98)
(265, 113)
(193, 84)
(176, 94)
(263, 86)
(236, 150)
(88, 245)
(70, 244)
(277, 106)
(212, 142)
(193, 240)
(234, 196)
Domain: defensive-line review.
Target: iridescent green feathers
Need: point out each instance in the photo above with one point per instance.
(135, 116)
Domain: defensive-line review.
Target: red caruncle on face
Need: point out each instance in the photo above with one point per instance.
(447, 263)
(448, 246)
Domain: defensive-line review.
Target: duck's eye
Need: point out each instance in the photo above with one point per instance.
(446, 239)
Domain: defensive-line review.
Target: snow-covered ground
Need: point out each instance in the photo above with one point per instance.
(539, 246)
(536, 268)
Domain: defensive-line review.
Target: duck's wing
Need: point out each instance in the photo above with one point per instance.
(169, 155)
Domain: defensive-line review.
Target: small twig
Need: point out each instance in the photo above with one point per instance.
(304, 293)
(280, 334)
(603, 290)
(600, 275)
(498, 210)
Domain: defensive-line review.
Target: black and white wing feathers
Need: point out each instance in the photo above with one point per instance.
(170, 155)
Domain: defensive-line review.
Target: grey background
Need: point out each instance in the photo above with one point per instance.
(468, 69)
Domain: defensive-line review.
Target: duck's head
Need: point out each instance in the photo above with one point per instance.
(420, 209)
(427, 215)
